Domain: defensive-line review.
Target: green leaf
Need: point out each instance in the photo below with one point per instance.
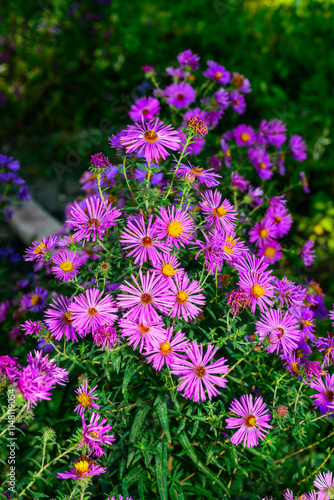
(161, 469)
(129, 371)
(163, 417)
(134, 475)
(186, 445)
(137, 423)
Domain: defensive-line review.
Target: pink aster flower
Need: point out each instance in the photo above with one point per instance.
(197, 373)
(212, 250)
(262, 233)
(38, 250)
(227, 155)
(144, 243)
(298, 148)
(271, 252)
(252, 421)
(238, 102)
(94, 435)
(307, 253)
(327, 345)
(324, 482)
(217, 72)
(166, 350)
(9, 369)
(282, 221)
(91, 309)
(231, 247)
(66, 265)
(34, 301)
(324, 399)
(221, 213)
(84, 467)
(167, 266)
(99, 161)
(191, 173)
(106, 337)
(260, 158)
(59, 319)
(254, 196)
(188, 59)
(85, 398)
(176, 225)
(255, 281)
(33, 385)
(187, 297)
(244, 135)
(142, 335)
(180, 94)
(222, 97)
(144, 296)
(239, 181)
(315, 495)
(144, 108)
(152, 138)
(241, 83)
(31, 327)
(289, 294)
(93, 224)
(280, 330)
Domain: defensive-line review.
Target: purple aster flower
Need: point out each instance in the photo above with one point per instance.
(254, 196)
(231, 247)
(66, 265)
(38, 249)
(217, 73)
(148, 70)
(222, 98)
(34, 301)
(196, 145)
(175, 72)
(223, 214)
(9, 162)
(176, 225)
(59, 319)
(280, 163)
(239, 181)
(144, 296)
(167, 349)
(85, 398)
(304, 182)
(241, 83)
(31, 327)
(324, 399)
(143, 335)
(180, 95)
(196, 373)
(289, 294)
(99, 161)
(306, 322)
(83, 468)
(47, 367)
(144, 244)
(106, 337)
(212, 249)
(316, 495)
(187, 297)
(91, 309)
(94, 435)
(188, 59)
(9, 369)
(191, 173)
(115, 141)
(167, 266)
(11, 177)
(271, 252)
(23, 194)
(244, 135)
(282, 221)
(279, 330)
(262, 233)
(260, 158)
(307, 253)
(4, 306)
(255, 281)
(95, 221)
(272, 133)
(327, 345)
(144, 108)
(33, 385)
(297, 148)
(238, 301)
(215, 163)
(152, 138)
(252, 421)
(227, 153)
(324, 482)
(238, 102)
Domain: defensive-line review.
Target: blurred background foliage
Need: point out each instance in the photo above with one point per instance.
(70, 70)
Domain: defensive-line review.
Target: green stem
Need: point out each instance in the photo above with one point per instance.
(15, 420)
(295, 406)
(99, 186)
(127, 180)
(178, 165)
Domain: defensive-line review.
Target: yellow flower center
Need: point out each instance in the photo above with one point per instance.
(92, 311)
(220, 211)
(147, 241)
(150, 136)
(197, 171)
(228, 153)
(270, 252)
(175, 229)
(245, 137)
(218, 75)
(36, 299)
(81, 467)
(258, 290)
(93, 434)
(146, 299)
(67, 317)
(94, 222)
(181, 297)
(307, 322)
(263, 232)
(329, 395)
(66, 266)
(143, 329)
(250, 421)
(84, 399)
(277, 219)
(39, 249)
(165, 348)
(180, 97)
(200, 371)
(261, 165)
(167, 270)
(294, 368)
(229, 245)
(192, 78)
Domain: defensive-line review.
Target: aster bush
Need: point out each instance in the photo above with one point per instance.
(186, 354)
